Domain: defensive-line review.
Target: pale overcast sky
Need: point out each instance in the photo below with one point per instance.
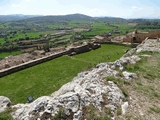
(115, 8)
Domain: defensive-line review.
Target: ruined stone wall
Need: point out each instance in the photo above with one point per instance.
(142, 36)
(139, 37)
(127, 39)
(77, 50)
(155, 34)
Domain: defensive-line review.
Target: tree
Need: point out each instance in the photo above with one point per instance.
(46, 46)
(72, 38)
(27, 38)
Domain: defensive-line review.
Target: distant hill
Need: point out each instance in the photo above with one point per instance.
(63, 18)
(58, 18)
(15, 17)
(110, 19)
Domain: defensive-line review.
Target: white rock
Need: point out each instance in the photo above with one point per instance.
(141, 113)
(149, 45)
(4, 103)
(124, 108)
(129, 75)
(112, 107)
(77, 115)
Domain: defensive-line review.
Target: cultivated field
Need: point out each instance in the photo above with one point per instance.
(5, 54)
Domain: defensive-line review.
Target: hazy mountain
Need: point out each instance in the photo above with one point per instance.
(110, 19)
(58, 18)
(63, 18)
(16, 17)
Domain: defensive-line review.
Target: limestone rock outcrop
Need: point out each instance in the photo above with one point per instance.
(4, 103)
(149, 45)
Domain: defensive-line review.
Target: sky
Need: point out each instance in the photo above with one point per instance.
(114, 8)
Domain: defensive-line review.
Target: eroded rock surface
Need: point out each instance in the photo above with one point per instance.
(4, 103)
(149, 45)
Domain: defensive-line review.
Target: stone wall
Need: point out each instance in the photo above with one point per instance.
(77, 50)
(140, 36)
(114, 43)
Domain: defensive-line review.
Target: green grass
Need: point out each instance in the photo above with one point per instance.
(47, 32)
(48, 77)
(120, 83)
(80, 21)
(148, 70)
(101, 55)
(91, 113)
(5, 54)
(102, 28)
(20, 34)
(1, 40)
(119, 111)
(6, 114)
(155, 109)
(33, 34)
(123, 27)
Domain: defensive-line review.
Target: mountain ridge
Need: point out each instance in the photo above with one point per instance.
(20, 17)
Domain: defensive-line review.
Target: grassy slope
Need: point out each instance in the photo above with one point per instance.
(48, 77)
(144, 91)
(101, 55)
(22, 35)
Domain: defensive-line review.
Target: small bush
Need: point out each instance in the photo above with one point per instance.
(139, 83)
(125, 92)
(155, 109)
(60, 115)
(108, 111)
(119, 111)
(105, 118)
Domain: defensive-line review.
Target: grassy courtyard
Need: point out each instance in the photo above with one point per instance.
(48, 77)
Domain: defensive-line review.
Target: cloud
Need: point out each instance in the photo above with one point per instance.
(157, 14)
(135, 8)
(28, 0)
(16, 5)
(140, 12)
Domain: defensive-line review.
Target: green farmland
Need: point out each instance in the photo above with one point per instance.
(5, 54)
(48, 77)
